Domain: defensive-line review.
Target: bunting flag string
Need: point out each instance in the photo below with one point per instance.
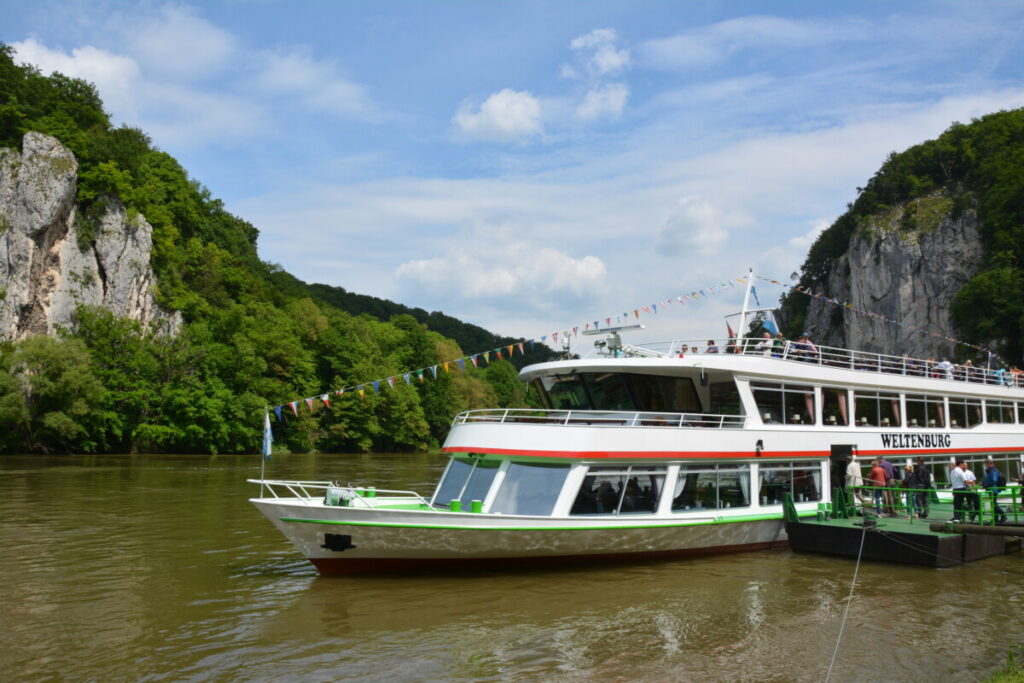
(806, 291)
(508, 350)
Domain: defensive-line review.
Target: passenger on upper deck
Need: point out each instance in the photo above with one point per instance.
(779, 345)
(711, 348)
(803, 348)
(945, 369)
(764, 347)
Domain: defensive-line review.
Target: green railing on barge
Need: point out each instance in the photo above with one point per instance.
(901, 503)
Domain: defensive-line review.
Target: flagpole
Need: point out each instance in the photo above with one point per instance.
(740, 333)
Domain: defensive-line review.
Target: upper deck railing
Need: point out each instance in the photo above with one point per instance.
(600, 418)
(830, 356)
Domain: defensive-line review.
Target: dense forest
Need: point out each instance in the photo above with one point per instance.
(979, 166)
(253, 335)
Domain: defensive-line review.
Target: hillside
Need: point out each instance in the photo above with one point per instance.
(215, 334)
(934, 240)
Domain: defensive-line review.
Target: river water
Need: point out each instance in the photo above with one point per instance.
(158, 568)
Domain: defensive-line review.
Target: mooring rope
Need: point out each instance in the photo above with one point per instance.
(849, 600)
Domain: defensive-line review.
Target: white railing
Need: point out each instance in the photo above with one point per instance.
(600, 418)
(830, 356)
(355, 496)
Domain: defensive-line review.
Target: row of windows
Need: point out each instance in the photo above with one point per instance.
(533, 488)
(797, 404)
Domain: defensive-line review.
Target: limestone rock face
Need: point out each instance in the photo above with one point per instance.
(905, 271)
(46, 270)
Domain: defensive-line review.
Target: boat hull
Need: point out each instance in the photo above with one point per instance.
(344, 540)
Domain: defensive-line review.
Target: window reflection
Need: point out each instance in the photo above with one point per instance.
(711, 487)
(620, 491)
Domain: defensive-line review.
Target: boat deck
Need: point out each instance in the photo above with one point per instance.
(899, 538)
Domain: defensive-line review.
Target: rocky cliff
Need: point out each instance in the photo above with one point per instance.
(906, 264)
(52, 258)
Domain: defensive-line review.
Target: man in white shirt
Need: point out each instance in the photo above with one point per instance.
(957, 483)
(945, 369)
(973, 499)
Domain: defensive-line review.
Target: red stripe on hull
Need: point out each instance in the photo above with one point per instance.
(636, 454)
(332, 566)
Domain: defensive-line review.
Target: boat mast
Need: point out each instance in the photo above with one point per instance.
(741, 332)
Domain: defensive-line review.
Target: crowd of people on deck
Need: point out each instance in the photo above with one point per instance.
(908, 493)
(803, 349)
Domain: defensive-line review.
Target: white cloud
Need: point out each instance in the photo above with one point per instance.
(607, 100)
(598, 53)
(317, 84)
(805, 241)
(516, 269)
(177, 43)
(505, 116)
(714, 43)
(115, 76)
(695, 225)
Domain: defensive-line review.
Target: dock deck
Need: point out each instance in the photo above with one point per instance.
(901, 539)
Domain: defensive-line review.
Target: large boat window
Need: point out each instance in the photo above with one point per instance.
(785, 403)
(564, 392)
(834, 409)
(620, 491)
(619, 391)
(925, 411)
(610, 391)
(801, 480)
(725, 399)
(530, 489)
(964, 412)
(876, 409)
(999, 412)
(714, 487)
(664, 394)
(466, 479)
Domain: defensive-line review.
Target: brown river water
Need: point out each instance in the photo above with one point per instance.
(158, 568)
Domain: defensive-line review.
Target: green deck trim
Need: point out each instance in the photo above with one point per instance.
(730, 520)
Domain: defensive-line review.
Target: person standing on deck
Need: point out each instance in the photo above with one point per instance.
(958, 484)
(992, 482)
(890, 482)
(922, 482)
(973, 498)
(876, 479)
(854, 482)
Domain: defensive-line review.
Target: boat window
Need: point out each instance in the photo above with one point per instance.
(999, 412)
(802, 480)
(620, 491)
(1020, 412)
(876, 409)
(530, 488)
(785, 403)
(711, 487)
(664, 394)
(725, 399)
(925, 411)
(834, 409)
(964, 412)
(609, 391)
(455, 478)
(566, 392)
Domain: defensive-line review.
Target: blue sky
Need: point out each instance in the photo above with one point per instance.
(528, 166)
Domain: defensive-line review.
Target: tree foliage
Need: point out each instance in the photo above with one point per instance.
(253, 335)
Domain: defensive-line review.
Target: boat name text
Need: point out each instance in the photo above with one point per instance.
(916, 440)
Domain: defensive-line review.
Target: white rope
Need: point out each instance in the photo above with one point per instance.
(849, 600)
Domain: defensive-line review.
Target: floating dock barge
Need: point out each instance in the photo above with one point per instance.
(928, 542)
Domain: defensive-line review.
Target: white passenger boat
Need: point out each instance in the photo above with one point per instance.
(655, 451)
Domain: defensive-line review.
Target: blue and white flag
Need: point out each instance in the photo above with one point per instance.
(268, 436)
